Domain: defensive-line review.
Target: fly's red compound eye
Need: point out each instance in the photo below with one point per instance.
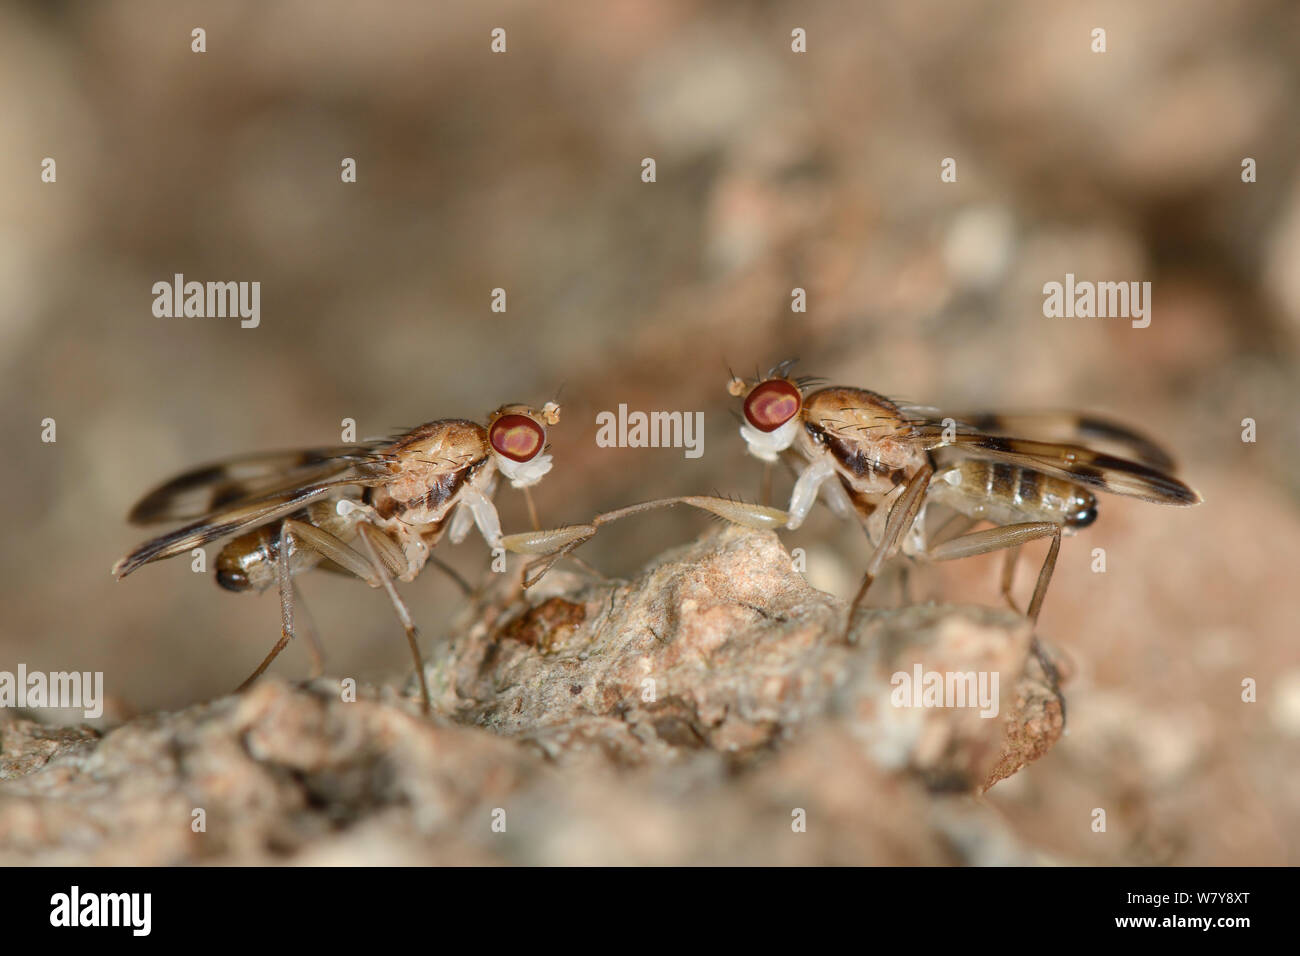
(517, 437)
(772, 404)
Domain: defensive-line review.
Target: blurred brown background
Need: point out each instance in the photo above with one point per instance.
(775, 170)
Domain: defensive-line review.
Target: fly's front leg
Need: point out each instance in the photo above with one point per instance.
(485, 515)
(460, 582)
(571, 536)
(804, 495)
(532, 508)
(537, 526)
(477, 509)
(558, 542)
(1009, 536)
(758, 517)
(552, 545)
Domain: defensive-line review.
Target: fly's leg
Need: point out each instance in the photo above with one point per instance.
(286, 607)
(1044, 578)
(1009, 536)
(384, 557)
(958, 524)
(594, 572)
(335, 549)
(452, 573)
(532, 509)
(537, 526)
(1009, 576)
(295, 534)
(374, 572)
(758, 517)
(804, 494)
(313, 643)
(901, 516)
(905, 583)
(557, 543)
(560, 542)
(368, 535)
(396, 561)
(551, 545)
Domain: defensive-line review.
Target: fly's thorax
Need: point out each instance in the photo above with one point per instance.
(1006, 494)
(866, 433)
(447, 439)
(427, 469)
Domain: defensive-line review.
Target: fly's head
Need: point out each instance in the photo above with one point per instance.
(517, 437)
(772, 411)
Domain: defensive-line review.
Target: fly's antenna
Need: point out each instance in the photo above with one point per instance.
(781, 369)
(735, 384)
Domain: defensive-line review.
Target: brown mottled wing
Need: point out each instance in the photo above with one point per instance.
(223, 523)
(203, 490)
(1073, 428)
(1087, 467)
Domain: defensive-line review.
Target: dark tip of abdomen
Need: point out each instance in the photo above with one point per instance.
(232, 580)
(1083, 517)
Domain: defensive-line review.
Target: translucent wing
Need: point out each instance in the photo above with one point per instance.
(203, 490)
(1093, 431)
(1085, 466)
(244, 515)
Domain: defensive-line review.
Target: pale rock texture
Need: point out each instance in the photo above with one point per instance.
(708, 711)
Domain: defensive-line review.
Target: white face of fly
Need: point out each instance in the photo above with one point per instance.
(523, 474)
(772, 420)
(517, 437)
(769, 445)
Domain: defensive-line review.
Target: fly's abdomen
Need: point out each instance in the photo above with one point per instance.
(1007, 494)
(249, 562)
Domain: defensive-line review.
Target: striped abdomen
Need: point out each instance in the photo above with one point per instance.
(249, 562)
(1007, 494)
